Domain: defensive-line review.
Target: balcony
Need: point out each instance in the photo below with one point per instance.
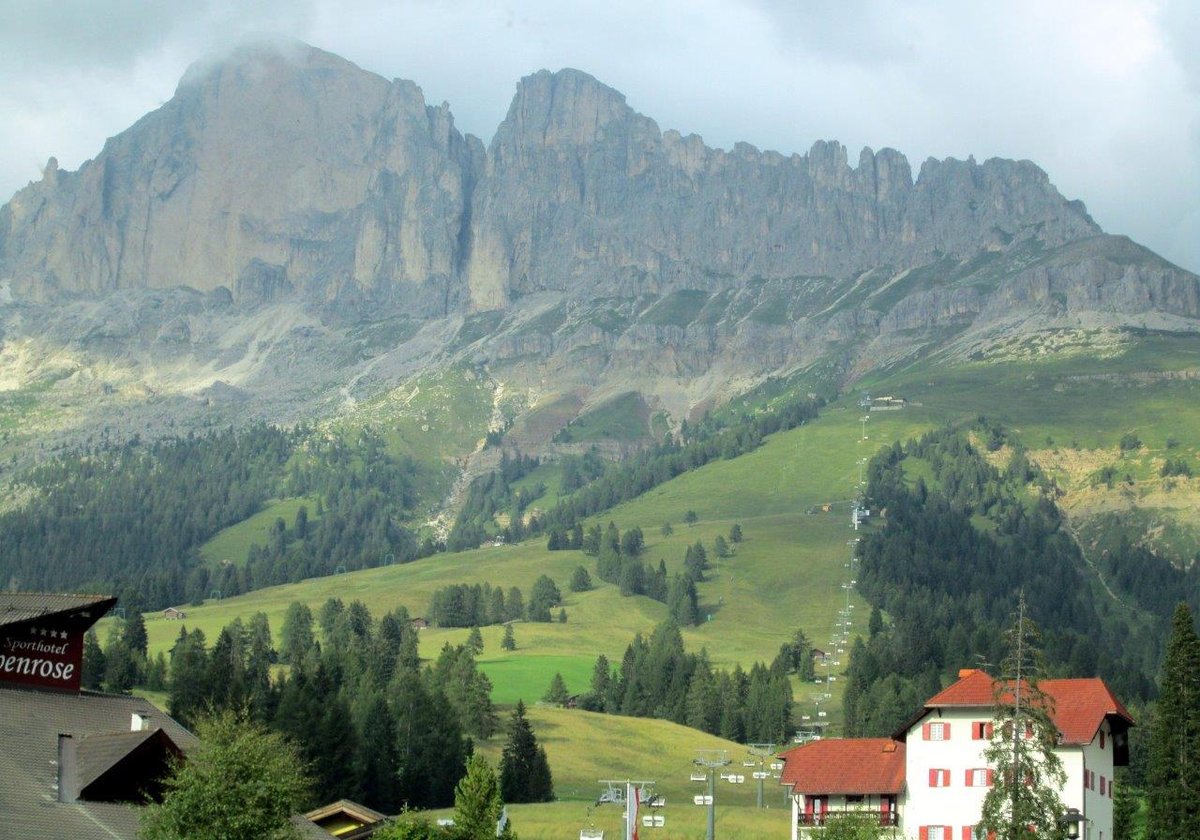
(889, 819)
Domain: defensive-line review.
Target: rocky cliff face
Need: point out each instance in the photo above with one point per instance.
(275, 171)
(301, 231)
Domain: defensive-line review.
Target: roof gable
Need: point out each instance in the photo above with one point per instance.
(845, 765)
(1080, 705)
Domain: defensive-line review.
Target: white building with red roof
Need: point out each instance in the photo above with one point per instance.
(928, 781)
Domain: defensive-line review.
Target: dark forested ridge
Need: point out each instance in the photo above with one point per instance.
(947, 567)
(132, 519)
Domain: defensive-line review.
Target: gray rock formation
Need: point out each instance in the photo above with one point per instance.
(272, 171)
(291, 233)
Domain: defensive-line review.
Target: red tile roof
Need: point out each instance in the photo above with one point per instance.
(845, 765)
(1080, 705)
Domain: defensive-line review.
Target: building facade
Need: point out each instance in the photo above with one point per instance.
(944, 775)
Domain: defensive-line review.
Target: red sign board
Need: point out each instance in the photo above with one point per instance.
(44, 653)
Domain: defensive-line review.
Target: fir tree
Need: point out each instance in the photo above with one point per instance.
(475, 640)
(477, 803)
(1173, 783)
(509, 642)
(1023, 800)
(1125, 807)
(94, 662)
(524, 770)
(557, 692)
(735, 533)
(581, 581)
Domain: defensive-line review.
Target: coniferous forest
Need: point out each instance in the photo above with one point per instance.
(947, 567)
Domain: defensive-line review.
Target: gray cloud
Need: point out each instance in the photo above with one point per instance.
(1103, 94)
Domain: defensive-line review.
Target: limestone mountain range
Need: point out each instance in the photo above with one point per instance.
(290, 235)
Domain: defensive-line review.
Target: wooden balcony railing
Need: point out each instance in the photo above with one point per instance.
(888, 819)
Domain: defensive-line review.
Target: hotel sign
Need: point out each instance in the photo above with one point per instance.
(42, 654)
(46, 651)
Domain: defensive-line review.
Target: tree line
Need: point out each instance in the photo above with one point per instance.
(478, 605)
(658, 678)
(371, 720)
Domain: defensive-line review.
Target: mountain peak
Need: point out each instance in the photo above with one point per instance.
(257, 57)
(567, 107)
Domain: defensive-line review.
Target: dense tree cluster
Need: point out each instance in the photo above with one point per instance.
(524, 771)
(725, 436)
(1173, 777)
(374, 725)
(657, 678)
(494, 494)
(481, 604)
(132, 519)
(946, 566)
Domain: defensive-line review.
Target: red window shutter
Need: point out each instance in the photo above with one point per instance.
(991, 777)
(924, 832)
(967, 833)
(968, 782)
(946, 783)
(987, 731)
(1101, 739)
(925, 732)
(1102, 783)
(1028, 729)
(946, 737)
(933, 777)
(808, 805)
(947, 831)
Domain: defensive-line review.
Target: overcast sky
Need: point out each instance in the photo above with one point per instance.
(1105, 96)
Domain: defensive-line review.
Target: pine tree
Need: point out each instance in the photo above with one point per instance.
(600, 685)
(134, 634)
(581, 581)
(475, 640)
(509, 642)
(1125, 806)
(720, 547)
(735, 533)
(1023, 801)
(94, 662)
(557, 692)
(1173, 783)
(524, 770)
(477, 802)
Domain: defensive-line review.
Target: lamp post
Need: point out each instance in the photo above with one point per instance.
(1071, 822)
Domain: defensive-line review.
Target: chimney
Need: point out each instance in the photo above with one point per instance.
(966, 672)
(139, 722)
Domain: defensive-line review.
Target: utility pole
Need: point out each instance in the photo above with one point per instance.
(711, 761)
(632, 800)
(761, 752)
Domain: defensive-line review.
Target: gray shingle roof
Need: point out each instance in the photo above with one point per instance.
(16, 607)
(31, 722)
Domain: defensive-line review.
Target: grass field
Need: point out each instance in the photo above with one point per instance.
(584, 747)
(232, 544)
(787, 574)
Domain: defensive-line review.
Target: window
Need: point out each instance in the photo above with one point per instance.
(939, 777)
(935, 832)
(1101, 739)
(981, 730)
(979, 777)
(1103, 783)
(939, 731)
